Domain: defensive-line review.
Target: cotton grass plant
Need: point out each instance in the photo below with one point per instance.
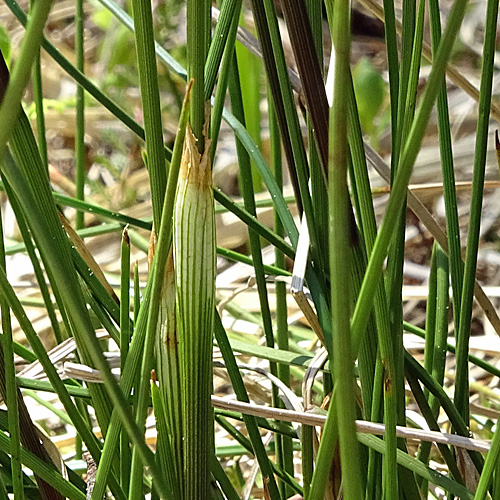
(351, 266)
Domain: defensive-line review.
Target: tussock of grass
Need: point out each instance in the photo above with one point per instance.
(177, 388)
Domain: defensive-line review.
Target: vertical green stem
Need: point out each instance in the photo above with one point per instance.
(338, 198)
(251, 66)
(450, 194)
(137, 292)
(40, 115)
(124, 298)
(430, 334)
(437, 347)
(37, 268)
(392, 61)
(229, 14)
(80, 114)
(408, 79)
(283, 444)
(496, 481)
(150, 94)
(430, 318)
(198, 35)
(225, 64)
(125, 458)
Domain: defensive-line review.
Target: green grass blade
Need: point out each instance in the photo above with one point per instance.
(125, 333)
(10, 386)
(450, 194)
(490, 466)
(462, 371)
(30, 183)
(164, 453)
(250, 422)
(40, 117)
(419, 468)
(398, 193)
(251, 66)
(284, 446)
(80, 114)
(198, 14)
(229, 13)
(82, 80)
(221, 477)
(392, 62)
(30, 46)
(29, 246)
(429, 350)
(47, 472)
(226, 61)
(338, 200)
(150, 95)
(441, 325)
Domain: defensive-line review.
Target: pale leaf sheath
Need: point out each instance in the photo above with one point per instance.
(194, 263)
(168, 373)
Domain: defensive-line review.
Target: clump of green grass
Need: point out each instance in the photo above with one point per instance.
(350, 264)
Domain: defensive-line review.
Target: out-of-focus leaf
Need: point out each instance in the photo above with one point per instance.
(370, 90)
(5, 45)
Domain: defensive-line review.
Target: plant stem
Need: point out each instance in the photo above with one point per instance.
(338, 199)
(198, 37)
(80, 114)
